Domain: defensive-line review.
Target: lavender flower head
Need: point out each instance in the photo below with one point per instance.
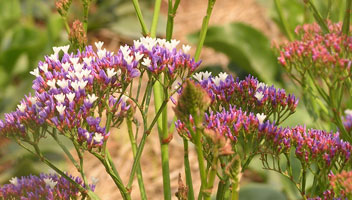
(44, 186)
(250, 95)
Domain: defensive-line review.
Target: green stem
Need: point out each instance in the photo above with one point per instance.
(346, 20)
(140, 17)
(235, 193)
(155, 18)
(86, 5)
(212, 172)
(134, 151)
(188, 173)
(318, 17)
(67, 152)
(159, 95)
(170, 18)
(204, 29)
(200, 156)
(283, 20)
(81, 168)
(142, 143)
(67, 27)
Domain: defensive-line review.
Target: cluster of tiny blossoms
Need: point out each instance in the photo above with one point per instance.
(69, 88)
(248, 94)
(44, 186)
(311, 146)
(340, 187)
(347, 120)
(326, 55)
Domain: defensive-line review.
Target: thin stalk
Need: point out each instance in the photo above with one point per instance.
(283, 20)
(134, 151)
(67, 152)
(188, 173)
(318, 17)
(213, 171)
(170, 18)
(235, 193)
(159, 95)
(204, 29)
(155, 18)
(81, 168)
(142, 143)
(140, 17)
(86, 5)
(67, 27)
(346, 20)
(200, 156)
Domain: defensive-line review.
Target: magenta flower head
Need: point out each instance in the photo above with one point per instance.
(250, 95)
(44, 186)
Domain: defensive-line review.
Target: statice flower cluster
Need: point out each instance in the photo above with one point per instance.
(311, 145)
(249, 94)
(72, 88)
(44, 186)
(340, 187)
(347, 120)
(325, 56)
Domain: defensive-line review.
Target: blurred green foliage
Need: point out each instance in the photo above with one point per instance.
(28, 31)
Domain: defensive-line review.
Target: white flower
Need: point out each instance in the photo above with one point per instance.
(92, 98)
(111, 72)
(21, 107)
(98, 137)
(161, 42)
(101, 53)
(75, 85)
(79, 75)
(14, 181)
(146, 62)
(66, 66)
(70, 96)
(56, 50)
(216, 80)
(33, 100)
(137, 43)
(124, 98)
(54, 57)
(74, 60)
(125, 50)
(87, 135)
(35, 72)
(206, 75)
(52, 83)
(82, 84)
(60, 98)
(186, 48)
(128, 59)
(223, 76)
(138, 56)
(259, 95)
(94, 180)
(49, 182)
(348, 112)
(61, 109)
(198, 76)
(62, 83)
(261, 85)
(261, 117)
(87, 60)
(44, 67)
(78, 67)
(99, 44)
(86, 72)
(65, 49)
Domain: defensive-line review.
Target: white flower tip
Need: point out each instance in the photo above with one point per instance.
(186, 48)
(261, 117)
(99, 45)
(50, 183)
(146, 62)
(98, 137)
(259, 95)
(14, 181)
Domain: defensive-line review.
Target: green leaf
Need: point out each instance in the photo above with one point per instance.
(255, 191)
(247, 47)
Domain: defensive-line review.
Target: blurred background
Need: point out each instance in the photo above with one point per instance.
(240, 40)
